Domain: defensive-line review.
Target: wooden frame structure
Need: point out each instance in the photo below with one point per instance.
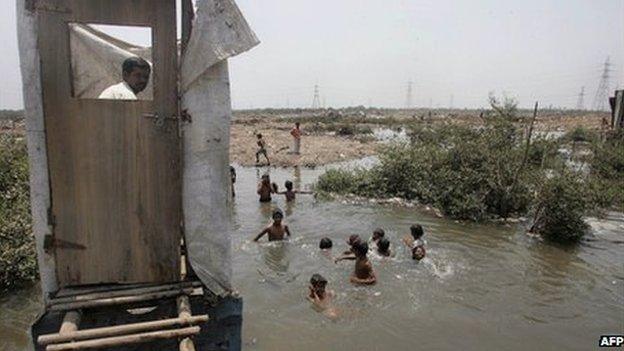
(115, 200)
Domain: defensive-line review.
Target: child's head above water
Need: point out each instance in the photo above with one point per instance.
(417, 231)
(277, 215)
(288, 184)
(353, 238)
(360, 248)
(378, 234)
(383, 246)
(318, 282)
(418, 253)
(259, 136)
(325, 243)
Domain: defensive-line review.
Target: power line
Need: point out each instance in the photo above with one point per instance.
(408, 97)
(602, 93)
(580, 105)
(316, 102)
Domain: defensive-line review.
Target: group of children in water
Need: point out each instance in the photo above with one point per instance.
(363, 273)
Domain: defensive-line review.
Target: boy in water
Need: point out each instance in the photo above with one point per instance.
(290, 193)
(320, 297)
(277, 230)
(378, 234)
(261, 150)
(349, 254)
(383, 247)
(415, 242)
(265, 188)
(325, 244)
(363, 273)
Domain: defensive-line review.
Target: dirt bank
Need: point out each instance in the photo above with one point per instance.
(316, 149)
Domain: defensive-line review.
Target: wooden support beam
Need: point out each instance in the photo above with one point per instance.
(70, 324)
(118, 293)
(118, 330)
(125, 339)
(119, 300)
(184, 311)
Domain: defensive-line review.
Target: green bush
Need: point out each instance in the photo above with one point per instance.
(580, 134)
(18, 264)
(468, 173)
(562, 203)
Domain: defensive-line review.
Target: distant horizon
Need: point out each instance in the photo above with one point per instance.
(366, 53)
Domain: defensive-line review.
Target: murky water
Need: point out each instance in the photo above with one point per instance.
(482, 287)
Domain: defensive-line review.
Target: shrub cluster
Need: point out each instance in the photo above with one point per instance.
(18, 264)
(493, 171)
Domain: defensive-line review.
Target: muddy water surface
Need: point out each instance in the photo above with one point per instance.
(482, 287)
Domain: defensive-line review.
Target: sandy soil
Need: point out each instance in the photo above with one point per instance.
(315, 149)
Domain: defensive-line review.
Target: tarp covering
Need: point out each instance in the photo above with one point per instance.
(219, 31)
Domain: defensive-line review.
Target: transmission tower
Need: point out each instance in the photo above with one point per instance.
(451, 101)
(602, 93)
(408, 97)
(580, 104)
(316, 102)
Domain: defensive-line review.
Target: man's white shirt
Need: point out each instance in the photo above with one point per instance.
(119, 91)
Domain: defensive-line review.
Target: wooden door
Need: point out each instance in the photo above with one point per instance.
(115, 174)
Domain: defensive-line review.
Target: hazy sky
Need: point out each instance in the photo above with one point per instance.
(364, 52)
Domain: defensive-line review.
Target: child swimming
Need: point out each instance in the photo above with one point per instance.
(325, 244)
(265, 188)
(320, 297)
(277, 230)
(349, 254)
(383, 247)
(290, 193)
(378, 234)
(415, 242)
(363, 273)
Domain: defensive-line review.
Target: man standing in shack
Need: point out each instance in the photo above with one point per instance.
(135, 73)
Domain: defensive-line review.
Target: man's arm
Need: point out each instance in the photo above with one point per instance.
(266, 230)
(287, 230)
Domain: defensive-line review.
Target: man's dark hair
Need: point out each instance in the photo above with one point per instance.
(360, 248)
(131, 63)
(259, 135)
(317, 279)
(288, 184)
(417, 231)
(383, 245)
(325, 243)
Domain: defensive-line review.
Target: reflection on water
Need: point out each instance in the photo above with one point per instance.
(481, 287)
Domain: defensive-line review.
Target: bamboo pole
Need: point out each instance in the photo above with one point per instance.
(125, 339)
(70, 323)
(119, 329)
(184, 311)
(119, 300)
(119, 293)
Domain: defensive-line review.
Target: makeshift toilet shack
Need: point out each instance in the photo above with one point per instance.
(130, 198)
